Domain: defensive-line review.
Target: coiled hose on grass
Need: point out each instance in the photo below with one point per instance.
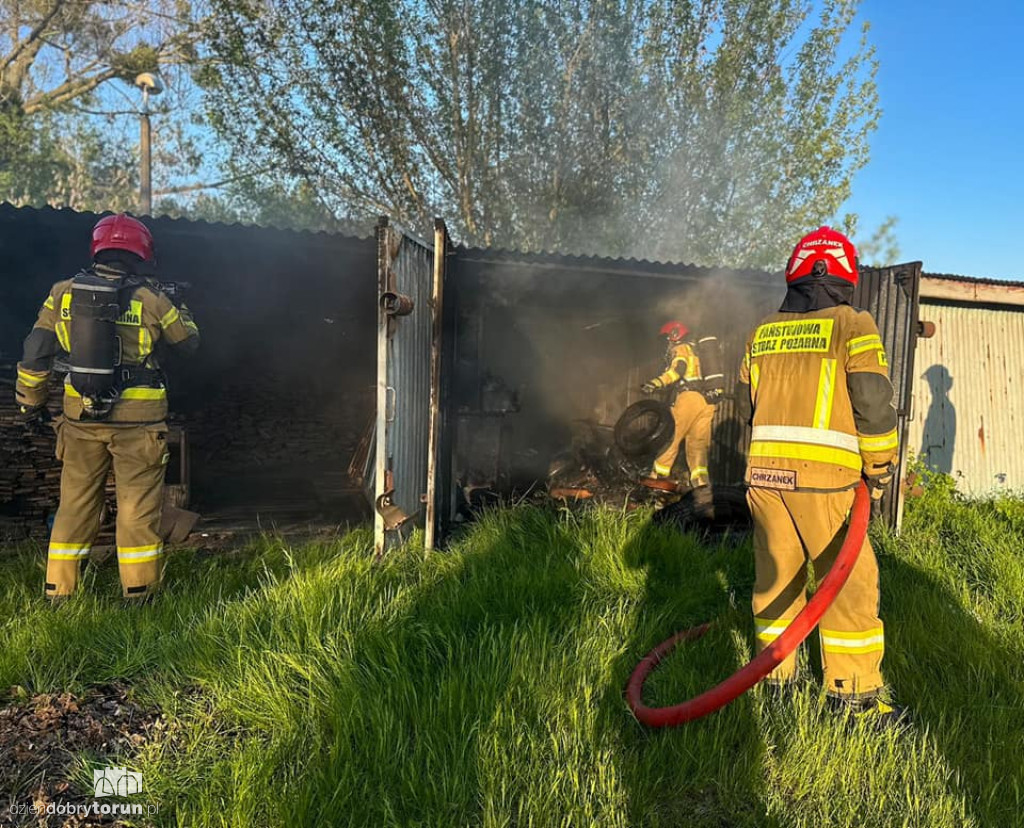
(770, 657)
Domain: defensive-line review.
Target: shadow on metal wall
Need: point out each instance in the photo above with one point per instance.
(939, 440)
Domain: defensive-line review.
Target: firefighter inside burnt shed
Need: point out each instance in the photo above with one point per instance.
(104, 324)
(814, 385)
(693, 377)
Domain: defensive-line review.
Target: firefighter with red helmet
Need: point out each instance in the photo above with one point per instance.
(691, 411)
(104, 324)
(815, 388)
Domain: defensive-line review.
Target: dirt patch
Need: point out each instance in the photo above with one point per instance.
(41, 738)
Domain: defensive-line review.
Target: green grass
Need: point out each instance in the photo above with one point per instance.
(483, 686)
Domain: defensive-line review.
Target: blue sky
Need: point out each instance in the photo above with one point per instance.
(948, 157)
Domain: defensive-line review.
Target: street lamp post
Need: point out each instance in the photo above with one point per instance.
(150, 84)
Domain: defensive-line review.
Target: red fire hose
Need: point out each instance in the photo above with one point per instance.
(769, 658)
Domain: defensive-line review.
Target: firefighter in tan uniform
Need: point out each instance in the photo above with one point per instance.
(820, 398)
(691, 412)
(104, 324)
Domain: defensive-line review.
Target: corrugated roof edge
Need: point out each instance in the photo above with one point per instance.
(936, 287)
(6, 208)
(502, 255)
(973, 280)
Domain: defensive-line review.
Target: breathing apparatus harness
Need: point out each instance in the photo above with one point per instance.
(711, 382)
(95, 366)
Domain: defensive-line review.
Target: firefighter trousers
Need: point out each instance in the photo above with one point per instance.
(692, 415)
(139, 456)
(789, 528)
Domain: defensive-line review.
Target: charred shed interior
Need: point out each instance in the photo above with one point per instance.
(275, 402)
(550, 351)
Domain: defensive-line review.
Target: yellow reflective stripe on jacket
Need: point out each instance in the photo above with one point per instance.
(68, 551)
(139, 393)
(31, 380)
(768, 629)
(671, 375)
(853, 643)
(755, 378)
(826, 394)
(139, 554)
(871, 342)
(65, 306)
(145, 343)
(169, 318)
(61, 329)
(803, 451)
(880, 442)
(48, 304)
(142, 393)
(802, 434)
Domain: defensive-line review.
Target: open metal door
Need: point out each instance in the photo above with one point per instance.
(439, 498)
(891, 294)
(405, 330)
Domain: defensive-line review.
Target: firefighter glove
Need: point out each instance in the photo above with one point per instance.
(878, 484)
(31, 414)
(650, 387)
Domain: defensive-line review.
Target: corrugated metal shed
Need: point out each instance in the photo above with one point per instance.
(969, 409)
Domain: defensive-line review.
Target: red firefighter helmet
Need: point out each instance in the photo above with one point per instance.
(122, 232)
(675, 330)
(823, 245)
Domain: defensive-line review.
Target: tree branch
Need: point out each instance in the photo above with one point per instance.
(193, 188)
(68, 91)
(21, 45)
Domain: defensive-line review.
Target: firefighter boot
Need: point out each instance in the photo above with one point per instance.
(871, 710)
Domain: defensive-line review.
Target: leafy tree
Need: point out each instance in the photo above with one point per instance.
(714, 131)
(66, 140)
(255, 201)
(881, 247)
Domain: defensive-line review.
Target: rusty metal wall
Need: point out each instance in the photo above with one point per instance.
(969, 396)
(891, 294)
(405, 270)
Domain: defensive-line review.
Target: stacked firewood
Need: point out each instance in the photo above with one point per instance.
(252, 423)
(29, 468)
